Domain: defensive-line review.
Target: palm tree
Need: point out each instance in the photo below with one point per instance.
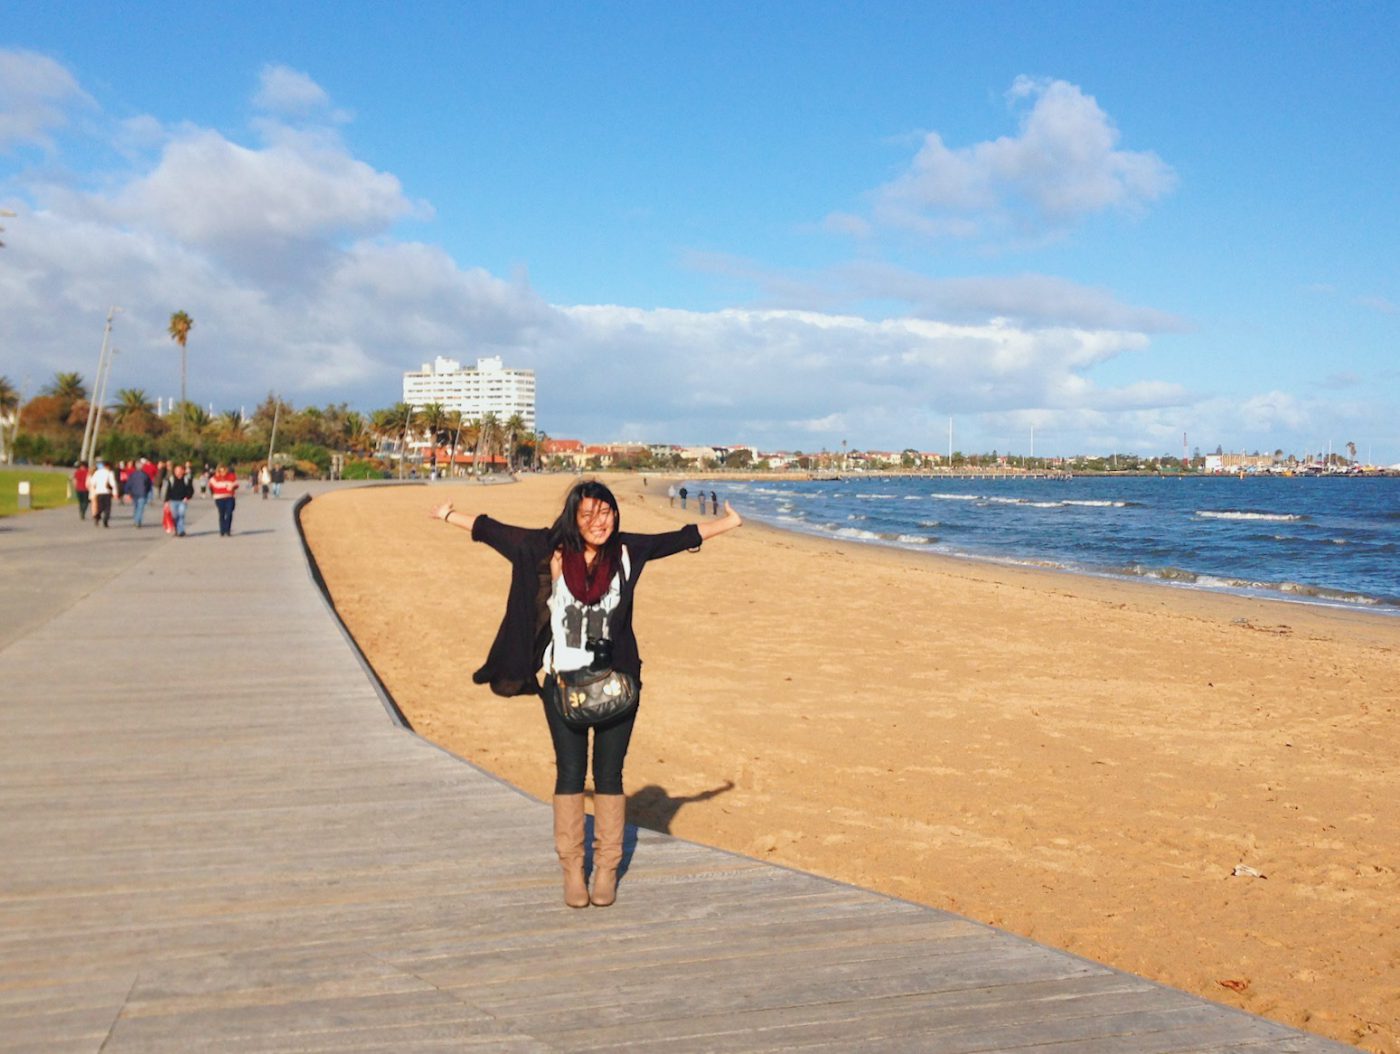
(514, 428)
(488, 438)
(432, 418)
(132, 403)
(195, 416)
(383, 424)
(232, 425)
(67, 386)
(9, 404)
(1351, 451)
(180, 326)
(453, 422)
(403, 417)
(354, 429)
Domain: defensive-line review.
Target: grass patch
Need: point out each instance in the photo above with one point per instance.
(47, 490)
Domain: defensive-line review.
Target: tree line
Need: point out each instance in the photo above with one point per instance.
(49, 429)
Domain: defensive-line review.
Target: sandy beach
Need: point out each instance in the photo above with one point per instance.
(1082, 761)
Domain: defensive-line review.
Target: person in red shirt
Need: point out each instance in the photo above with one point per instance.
(223, 485)
(80, 488)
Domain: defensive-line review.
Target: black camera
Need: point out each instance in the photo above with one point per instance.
(601, 648)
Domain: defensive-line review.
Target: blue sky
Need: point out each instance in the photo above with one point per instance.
(781, 224)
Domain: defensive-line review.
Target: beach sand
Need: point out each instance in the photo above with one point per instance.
(1079, 760)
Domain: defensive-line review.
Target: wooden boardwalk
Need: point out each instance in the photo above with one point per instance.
(214, 837)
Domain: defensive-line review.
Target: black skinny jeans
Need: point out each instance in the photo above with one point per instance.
(610, 742)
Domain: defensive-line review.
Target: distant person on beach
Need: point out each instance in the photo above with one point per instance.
(671, 493)
(684, 494)
(714, 503)
(582, 620)
(224, 485)
(138, 489)
(178, 491)
(80, 488)
(102, 485)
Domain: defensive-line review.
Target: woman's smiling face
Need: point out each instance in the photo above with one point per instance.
(596, 522)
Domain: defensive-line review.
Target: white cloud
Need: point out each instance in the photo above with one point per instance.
(1062, 165)
(36, 95)
(291, 93)
(1029, 299)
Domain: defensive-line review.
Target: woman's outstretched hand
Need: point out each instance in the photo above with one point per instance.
(727, 522)
(442, 512)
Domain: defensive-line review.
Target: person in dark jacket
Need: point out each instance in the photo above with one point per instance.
(138, 489)
(570, 602)
(179, 490)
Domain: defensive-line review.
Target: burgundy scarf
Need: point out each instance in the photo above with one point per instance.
(587, 585)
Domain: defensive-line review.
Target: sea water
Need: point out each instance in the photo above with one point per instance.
(1321, 540)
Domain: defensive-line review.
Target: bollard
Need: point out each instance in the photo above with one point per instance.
(24, 494)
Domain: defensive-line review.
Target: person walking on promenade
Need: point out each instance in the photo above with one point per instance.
(279, 476)
(80, 488)
(179, 490)
(583, 621)
(223, 484)
(138, 489)
(264, 481)
(102, 485)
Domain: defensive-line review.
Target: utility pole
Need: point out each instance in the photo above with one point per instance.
(94, 407)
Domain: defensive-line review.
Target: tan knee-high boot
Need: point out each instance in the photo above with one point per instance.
(568, 843)
(609, 823)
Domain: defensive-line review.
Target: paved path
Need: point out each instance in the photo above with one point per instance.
(212, 837)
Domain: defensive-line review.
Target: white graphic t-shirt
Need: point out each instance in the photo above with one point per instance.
(573, 623)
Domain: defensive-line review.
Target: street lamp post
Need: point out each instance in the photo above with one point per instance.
(94, 403)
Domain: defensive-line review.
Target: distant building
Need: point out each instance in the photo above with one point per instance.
(1217, 463)
(486, 388)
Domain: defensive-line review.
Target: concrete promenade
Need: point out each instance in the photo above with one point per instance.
(214, 837)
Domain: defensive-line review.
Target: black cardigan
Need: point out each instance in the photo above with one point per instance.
(518, 650)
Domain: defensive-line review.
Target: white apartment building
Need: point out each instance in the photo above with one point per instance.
(486, 388)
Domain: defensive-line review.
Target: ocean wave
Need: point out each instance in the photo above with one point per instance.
(956, 497)
(1233, 514)
(1165, 574)
(1325, 594)
(1103, 504)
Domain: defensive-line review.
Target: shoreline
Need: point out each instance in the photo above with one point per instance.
(1082, 761)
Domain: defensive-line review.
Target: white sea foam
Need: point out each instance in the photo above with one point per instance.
(1231, 514)
(956, 497)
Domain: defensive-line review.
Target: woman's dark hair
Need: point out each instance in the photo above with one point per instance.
(565, 531)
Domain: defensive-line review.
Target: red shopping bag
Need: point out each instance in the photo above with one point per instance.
(167, 520)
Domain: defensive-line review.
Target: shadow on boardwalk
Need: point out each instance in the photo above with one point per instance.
(213, 838)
